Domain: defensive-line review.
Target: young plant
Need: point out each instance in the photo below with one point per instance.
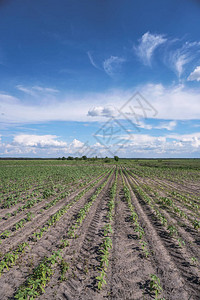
(194, 261)
(101, 279)
(64, 267)
(155, 285)
(144, 248)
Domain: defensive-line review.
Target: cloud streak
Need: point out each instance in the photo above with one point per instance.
(35, 90)
(147, 46)
(195, 75)
(113, 65)
(91, 59)
(180, 57)
(172, 103)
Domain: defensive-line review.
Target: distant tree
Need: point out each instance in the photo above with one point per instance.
(59, 158)
(63, 158)
(107, 160)
(84, 157)
(116, 158)
(70, 158)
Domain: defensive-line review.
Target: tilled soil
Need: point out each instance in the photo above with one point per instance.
(129, 270)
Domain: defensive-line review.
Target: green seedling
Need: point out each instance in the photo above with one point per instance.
(101, 279)
(196, 224)
(172, 230)
(64, 267)
(139, 230)
(181, 242)
(155, 285)
(64, 243)
(29, 216)
(194, 261)
(144, 248)
(5, 234)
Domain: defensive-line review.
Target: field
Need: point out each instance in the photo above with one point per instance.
(96, 230)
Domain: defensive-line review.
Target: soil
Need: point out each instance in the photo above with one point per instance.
(129, 270)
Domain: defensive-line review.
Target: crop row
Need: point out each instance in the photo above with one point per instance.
(51, 221)
(36, 282)
(106, 245)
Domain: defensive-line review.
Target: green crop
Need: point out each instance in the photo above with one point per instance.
(155, 285)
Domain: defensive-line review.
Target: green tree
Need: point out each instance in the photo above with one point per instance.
(70, 158)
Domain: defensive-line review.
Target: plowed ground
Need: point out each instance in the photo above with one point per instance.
(129, 271)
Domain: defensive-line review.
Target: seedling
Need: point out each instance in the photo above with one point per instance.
(196, 224)
(155, 285)
(181, 242)
(101, 279)
(64, 243)
(64, 267)
(194, 261)
(5, 234)
(172, 230)
(144, 248)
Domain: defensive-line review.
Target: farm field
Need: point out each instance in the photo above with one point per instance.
(95, 230)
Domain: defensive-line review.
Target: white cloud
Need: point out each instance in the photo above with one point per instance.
(192, 139)
(147, 45)
(35, 90)
(163, 125)
(180, 57)
(92, 60)
(143, 125)
(26, 90)
(107, 111)
(41, 145)
(181, 60)
(172, 103)
(168, 126)
(112, 65)
(143, 145)
(30, 140)
(166, 145)
(176, 102)
(195, 75)
(76, 144)
(45, 90)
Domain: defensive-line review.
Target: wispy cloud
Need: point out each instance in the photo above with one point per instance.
(92, 60)
(167, 125)
(170, 102)
(183, 55)
(44, 89)
(112, 65)
(34, 90)
(26, 90)
(195, 75)
(147, 45)
(178, 59)
(178, 53)
(163, 125)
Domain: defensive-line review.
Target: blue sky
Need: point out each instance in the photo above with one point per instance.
(71, 69)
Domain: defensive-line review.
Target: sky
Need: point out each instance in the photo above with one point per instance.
(100, 78)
